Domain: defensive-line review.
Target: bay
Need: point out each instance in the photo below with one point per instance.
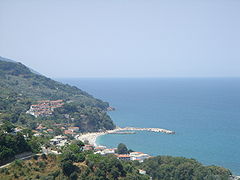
(204, 113)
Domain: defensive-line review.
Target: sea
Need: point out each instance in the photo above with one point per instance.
(204, 113)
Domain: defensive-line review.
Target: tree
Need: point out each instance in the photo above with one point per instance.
(114, 173)
(74, 148)
(32, 125)
(68, 156)
(184, 171)
(58, 131)
(7, 126)
(5, 154)
(80, 144)
(27, 133)
(80, 157)
(73, 176)
(122, 149)
(21, 144)
(68, 168)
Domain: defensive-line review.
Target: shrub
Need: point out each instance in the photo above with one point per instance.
(55, 173)
(68, 168)
(37, 176)
(15, 175)
(35, 157)
(18, 163)
(44, 156)
(80, 157)
(36, 169)
(41, 164)
(52, 156)
(73, 176)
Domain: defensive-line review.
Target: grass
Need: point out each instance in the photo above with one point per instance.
(32, 169)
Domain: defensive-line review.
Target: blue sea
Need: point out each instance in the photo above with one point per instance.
(204, 113)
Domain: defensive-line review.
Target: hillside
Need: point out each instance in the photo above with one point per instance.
(50, 109)
(77, 165)
(21, 87)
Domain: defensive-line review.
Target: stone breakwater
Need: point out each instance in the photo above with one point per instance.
(122, 132)
(144, 129)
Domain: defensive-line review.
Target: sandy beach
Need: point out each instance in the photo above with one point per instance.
(92, 137)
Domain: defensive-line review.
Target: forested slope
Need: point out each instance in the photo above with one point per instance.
(20, 87)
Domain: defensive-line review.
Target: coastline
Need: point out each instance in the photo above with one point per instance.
(91, 137)
(192, 122)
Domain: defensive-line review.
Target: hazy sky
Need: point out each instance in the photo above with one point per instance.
(123, 38)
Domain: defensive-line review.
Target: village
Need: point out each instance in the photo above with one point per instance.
(62, 134)
(44, 107)
(67, 132)
(73, 133)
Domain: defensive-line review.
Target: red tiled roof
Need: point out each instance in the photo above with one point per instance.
(68, 132)
(123, 155)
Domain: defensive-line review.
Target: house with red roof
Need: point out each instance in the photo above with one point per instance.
(125, 157)
(69, 132)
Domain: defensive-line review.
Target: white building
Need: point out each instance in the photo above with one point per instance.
(59, 140)
(141, 171)
(138, 156)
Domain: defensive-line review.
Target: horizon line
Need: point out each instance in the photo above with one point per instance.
(161, 77)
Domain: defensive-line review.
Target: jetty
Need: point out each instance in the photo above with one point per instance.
(122, 132)
(157, 130)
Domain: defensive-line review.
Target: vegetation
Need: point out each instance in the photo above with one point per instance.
(20, 87)
(12, 143)
(74, 163)
(97, 167)
(94, 167)
(122, 149)
(179, 168)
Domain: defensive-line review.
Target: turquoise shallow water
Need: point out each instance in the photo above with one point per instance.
(205, 113)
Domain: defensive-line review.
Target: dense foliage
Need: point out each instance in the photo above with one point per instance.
(84, 117)
(122, 149)
(179, 168)
(20, 88)
(96, 167)
(12, 143)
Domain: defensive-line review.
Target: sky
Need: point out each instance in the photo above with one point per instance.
(123, 38)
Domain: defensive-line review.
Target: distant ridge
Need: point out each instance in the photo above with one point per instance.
(22, 87)
(9, 60)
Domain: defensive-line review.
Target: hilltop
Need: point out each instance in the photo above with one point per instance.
(21, 87)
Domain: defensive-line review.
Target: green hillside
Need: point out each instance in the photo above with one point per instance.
(74, 164)
(20, 87)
